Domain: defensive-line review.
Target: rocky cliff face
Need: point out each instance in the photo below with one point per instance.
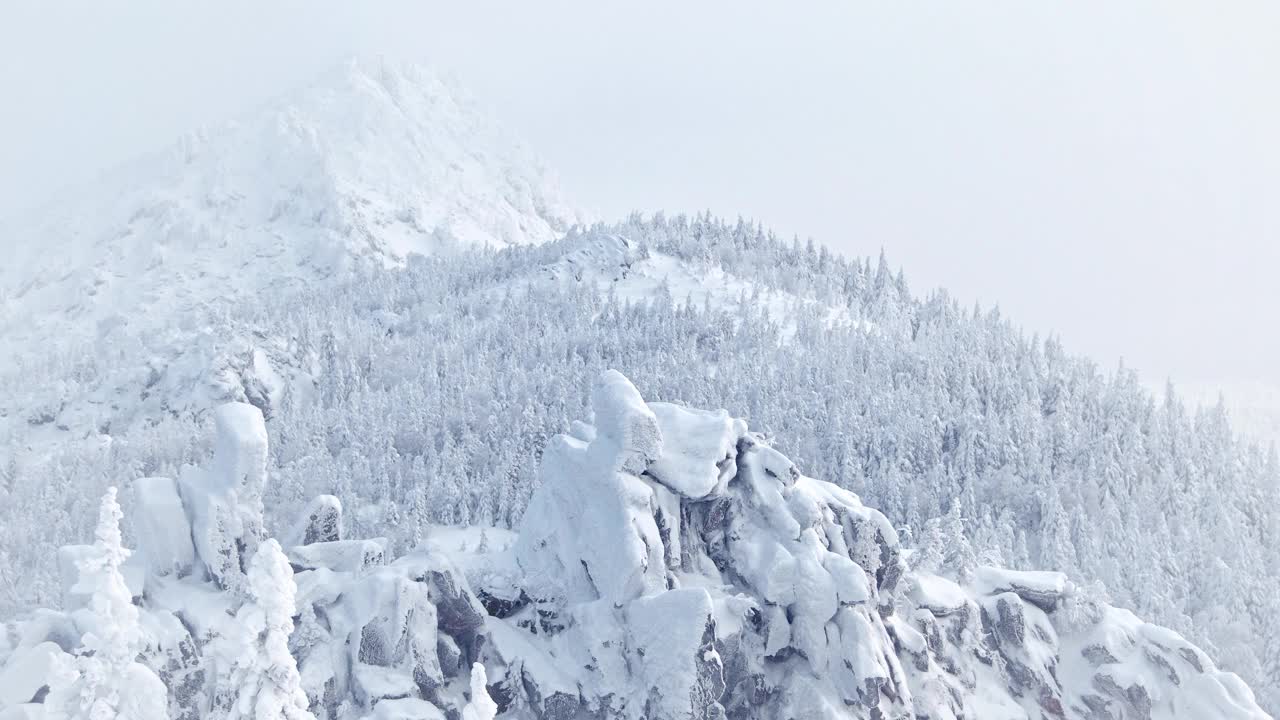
(671, 566)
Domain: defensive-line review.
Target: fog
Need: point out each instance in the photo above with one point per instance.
(1108, 172)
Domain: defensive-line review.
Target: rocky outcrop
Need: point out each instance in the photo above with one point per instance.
(784, 593)
(672, 566)
(369, 629)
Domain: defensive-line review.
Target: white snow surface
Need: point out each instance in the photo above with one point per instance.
(591, 535)
(695, 444)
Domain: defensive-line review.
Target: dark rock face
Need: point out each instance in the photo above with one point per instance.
(1046, 600)
(1158, 659)
(1011, 624)
(710, 685)
(1133, 698)
(501, 606)
(1192, 657)
(1098, 655)
(1098, 708)
(459, 610)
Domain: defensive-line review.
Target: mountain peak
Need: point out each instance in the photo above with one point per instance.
(390, 157)
(373, 162)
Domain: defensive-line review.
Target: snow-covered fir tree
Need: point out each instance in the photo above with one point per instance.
(256, 677)
(105, 681)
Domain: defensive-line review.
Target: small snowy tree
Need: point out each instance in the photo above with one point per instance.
(931, 549)
(960, 556)
(481, 707)
(258, 678)
(1056, 549)
(106, 681)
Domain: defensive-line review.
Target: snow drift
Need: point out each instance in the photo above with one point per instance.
(672, 566)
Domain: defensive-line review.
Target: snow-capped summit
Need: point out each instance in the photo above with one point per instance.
(372, 163)
(375, 161)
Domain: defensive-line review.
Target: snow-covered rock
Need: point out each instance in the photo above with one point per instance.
(350, 556)
(223, 501)
(676, 568)
(162, 527)
(320, 522)
(771, 594)
(593, 534)
(1044, 589)
(24, 678)
(698, 449)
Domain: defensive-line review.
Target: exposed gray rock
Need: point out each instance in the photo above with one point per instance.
(1098, 655)
(321, 522)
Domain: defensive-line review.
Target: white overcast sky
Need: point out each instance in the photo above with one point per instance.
(1109, 171)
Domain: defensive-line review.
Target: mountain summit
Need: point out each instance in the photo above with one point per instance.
(374, 162)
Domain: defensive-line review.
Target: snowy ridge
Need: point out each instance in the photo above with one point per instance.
(620, 266)
(673, 566)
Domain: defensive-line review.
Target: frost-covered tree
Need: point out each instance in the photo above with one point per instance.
(960, 556)
(1056, 549)
(931, 548)
(106, 681)
(256, 678)
(481, 706)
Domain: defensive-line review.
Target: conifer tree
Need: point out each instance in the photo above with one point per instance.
(106, 682)
(256, 676)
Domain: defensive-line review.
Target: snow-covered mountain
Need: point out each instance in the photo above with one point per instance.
(673, 566)
(373, 163)
(399, 290)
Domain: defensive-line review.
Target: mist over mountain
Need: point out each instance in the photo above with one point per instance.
(377, 278)
(374, 162)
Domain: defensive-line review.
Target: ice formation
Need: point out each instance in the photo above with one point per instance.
(672, 566)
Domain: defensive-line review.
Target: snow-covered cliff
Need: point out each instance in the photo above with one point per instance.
(671, 565)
